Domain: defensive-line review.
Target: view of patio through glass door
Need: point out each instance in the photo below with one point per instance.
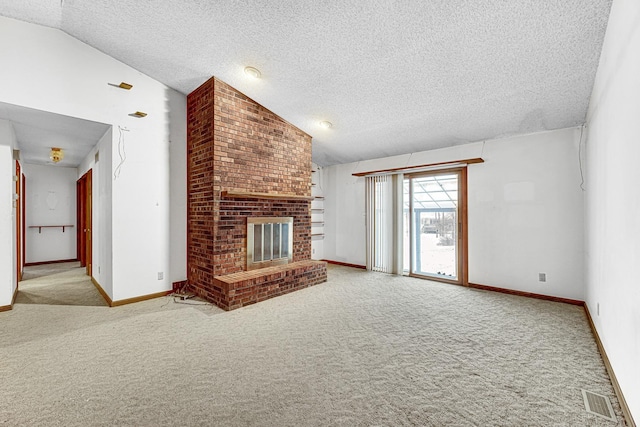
(432, 225)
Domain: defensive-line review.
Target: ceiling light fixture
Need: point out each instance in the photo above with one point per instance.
(326, 124)
(138, 114)
(252, 72)
(56, 154)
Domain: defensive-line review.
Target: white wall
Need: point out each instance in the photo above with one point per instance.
(49, 70)
(178, 188)
(525, 211)
(101, 177)
(8, 260)
(526, 215)
(51, 200)
(613, 199)
(344, 215)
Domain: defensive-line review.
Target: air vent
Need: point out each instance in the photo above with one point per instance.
(598, 404)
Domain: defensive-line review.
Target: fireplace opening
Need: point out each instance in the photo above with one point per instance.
(269, 241)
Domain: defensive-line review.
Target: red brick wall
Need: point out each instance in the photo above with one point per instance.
(255, 150)
(200, 176)
(248, 288)
(230, 255)
(236, 144)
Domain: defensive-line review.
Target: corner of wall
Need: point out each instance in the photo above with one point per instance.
(611, 221)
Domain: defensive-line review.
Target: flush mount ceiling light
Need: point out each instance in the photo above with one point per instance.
(56, 154)
(252, 72)
(138, 114)
(326, 124)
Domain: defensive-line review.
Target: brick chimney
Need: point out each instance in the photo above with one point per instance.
(244, 161)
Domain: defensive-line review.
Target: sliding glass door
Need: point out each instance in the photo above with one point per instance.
(435, 225)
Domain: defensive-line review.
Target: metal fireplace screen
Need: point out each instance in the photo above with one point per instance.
(269, 241)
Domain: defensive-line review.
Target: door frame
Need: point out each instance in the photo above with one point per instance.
(84, 220)
(19, 222)
(80, 242)
(463, 233)
(89, 222)
(23, 219)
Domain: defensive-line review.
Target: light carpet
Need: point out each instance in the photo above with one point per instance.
(58, 284)
(363, 349)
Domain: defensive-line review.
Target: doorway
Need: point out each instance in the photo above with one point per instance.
(435, 225)
(19, 222)
(84, 215)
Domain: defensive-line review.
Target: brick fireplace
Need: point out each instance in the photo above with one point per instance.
(243, 161)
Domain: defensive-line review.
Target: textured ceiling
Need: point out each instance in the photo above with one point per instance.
(37, 131)
(392, 76)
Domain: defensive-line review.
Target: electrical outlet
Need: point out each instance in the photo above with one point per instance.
(98, 269)
(542, 277)
(598, 309)
(313, 251)
(160, 275)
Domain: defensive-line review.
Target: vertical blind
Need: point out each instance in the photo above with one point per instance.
(380, 223)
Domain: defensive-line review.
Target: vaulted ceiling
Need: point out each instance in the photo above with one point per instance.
(391, 76)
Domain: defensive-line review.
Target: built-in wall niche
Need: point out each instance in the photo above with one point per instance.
(317, 213)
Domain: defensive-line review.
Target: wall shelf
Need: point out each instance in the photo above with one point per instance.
(40, 227)
(239, 194)
(317, 214)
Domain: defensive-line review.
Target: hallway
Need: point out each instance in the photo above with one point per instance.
(58, 284)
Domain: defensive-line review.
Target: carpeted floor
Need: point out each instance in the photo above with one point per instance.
(363, 349)
(58, 284)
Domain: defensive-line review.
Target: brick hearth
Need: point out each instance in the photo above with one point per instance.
(235, 144)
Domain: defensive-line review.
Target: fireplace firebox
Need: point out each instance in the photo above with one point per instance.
(269, 241)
